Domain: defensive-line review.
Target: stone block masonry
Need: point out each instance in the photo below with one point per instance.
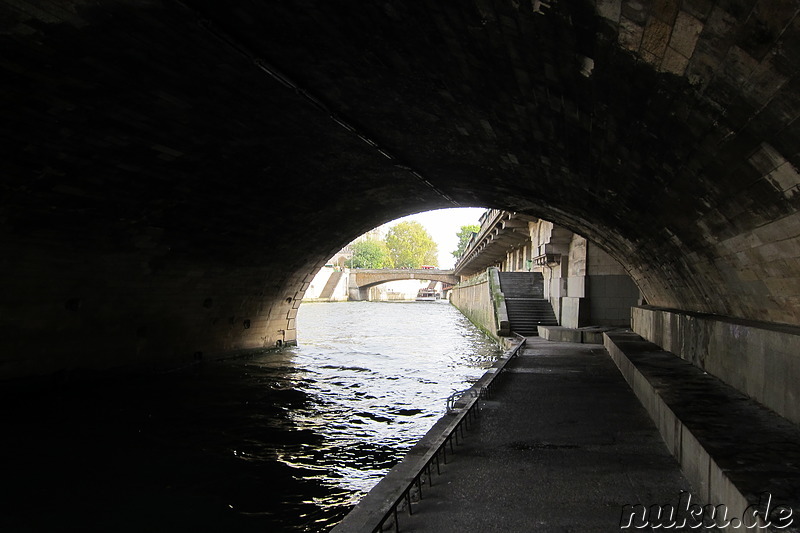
(164, 154)
(478, 300)
(112, 312)
(733, 450)
(759, 359)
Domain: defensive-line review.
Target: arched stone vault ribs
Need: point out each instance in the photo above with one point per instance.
(167, 192)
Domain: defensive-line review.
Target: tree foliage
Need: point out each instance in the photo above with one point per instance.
(464, 235)
(410, 246)
(370, 253)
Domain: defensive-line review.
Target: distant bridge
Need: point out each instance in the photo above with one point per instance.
(361, 279)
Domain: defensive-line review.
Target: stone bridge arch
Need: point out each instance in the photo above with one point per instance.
(177, 171)
(362, 279)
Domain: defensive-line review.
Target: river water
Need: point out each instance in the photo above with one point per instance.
(285, 441)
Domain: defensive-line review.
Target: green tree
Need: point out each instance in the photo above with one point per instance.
(410, 246)
(370, 253)
(464, 235)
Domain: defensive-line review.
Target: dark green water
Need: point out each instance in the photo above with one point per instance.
(283, 441)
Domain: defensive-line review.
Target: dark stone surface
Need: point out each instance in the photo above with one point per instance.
(751, 445)
(156, 156)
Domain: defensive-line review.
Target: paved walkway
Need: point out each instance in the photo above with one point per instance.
(560, 446)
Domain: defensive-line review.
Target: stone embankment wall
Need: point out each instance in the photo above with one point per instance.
(480, 300)
(760, 359)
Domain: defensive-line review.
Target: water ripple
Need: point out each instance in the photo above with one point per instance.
(284, 441)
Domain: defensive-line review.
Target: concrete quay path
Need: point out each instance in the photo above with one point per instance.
(561, 445)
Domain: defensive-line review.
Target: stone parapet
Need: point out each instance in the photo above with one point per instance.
(759, 359)
(745, 454)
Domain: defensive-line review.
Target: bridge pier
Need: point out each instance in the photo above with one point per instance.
(358, 294)
(355, 293)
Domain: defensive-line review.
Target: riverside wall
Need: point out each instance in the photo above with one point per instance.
(481, 301)
(759, 359)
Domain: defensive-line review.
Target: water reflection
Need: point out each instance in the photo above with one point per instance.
(277, 442)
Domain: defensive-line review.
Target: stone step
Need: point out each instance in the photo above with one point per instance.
(520, 284)
(526, 313)
(734, 450)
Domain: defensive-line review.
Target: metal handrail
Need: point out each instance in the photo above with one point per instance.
(466, 411)
(453, 398)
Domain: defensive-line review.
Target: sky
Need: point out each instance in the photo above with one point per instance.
(443, 225)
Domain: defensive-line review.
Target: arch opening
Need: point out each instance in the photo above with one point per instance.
(176, 172)
(679, 161)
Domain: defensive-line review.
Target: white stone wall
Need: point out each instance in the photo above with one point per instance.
(319, 281)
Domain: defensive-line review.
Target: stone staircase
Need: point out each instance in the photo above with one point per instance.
(330, 286)
(526, 307)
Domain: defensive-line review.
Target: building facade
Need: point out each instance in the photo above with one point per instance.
(584, 285)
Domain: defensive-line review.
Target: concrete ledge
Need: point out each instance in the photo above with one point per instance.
(559, 334)
(587, 335)
(731, 448)
(760, 359)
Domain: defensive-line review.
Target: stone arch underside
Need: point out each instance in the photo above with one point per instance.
(367, 282)
(389, 280)
(177, 171)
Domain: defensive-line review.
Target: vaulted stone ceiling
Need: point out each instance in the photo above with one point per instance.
(175, 171)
